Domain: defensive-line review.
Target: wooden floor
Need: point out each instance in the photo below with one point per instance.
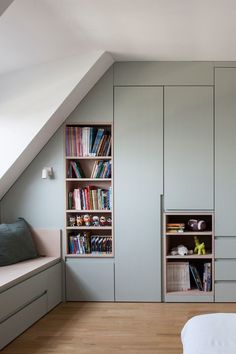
(111, 328)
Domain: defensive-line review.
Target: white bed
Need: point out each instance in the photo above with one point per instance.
(210, 334)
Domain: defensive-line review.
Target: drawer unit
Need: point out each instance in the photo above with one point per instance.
(54, 285)
(21, 294)
(225, 291)
(22, 319)
(225, 269)
(225, 247)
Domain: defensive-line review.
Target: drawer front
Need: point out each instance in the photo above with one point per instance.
(225, 269)
(225, 291)
(15, 325)
(21, 294)
(225, 247)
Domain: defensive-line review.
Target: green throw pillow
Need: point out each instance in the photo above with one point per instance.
(16, 243)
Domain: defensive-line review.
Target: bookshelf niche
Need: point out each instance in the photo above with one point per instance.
(89, 197)
(188, 271)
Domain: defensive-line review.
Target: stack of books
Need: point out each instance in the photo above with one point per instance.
(90, 198)
(87, 141)
(202, 283)
(175, 227)
(101, 169)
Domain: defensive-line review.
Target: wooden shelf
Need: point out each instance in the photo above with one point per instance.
(88, 211)
(190, 292)
(189, 233)
(88, 179)
(88, 157)
(89, 227)
(192, 256)
(91, 255)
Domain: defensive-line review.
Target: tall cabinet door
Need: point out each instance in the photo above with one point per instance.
(188, 127)
(225, 151)
(138, 182)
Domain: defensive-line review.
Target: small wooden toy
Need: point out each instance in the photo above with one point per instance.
(103, 220)
(95, 220)
(87, 220)
(79, 220)
(109, 221)
(72, 221)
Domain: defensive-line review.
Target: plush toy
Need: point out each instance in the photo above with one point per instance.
(87, 220)
(95, 220)
(103, 220)
(199, 247)
(79, 220)
(72, 221)
(197, 225)
(180, 250)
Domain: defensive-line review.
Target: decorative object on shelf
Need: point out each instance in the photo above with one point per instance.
(197, 225)
(103, 220)
(72, 220)
(80, 220)
(47, 172)
(96, 220)
(180, 250)
(175, 227)
(199, 247)
(109, 221)
(87, 220)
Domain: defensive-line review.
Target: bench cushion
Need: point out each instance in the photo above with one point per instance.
(16, 273)
(16, 243)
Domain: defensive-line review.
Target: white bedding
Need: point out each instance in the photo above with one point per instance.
(210, 334)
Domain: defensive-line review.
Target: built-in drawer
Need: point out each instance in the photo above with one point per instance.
(225, 291)
(225, 247)
(225, 269)
(21, 294)
(23, 319)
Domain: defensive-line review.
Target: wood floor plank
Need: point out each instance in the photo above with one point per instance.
(111, 328)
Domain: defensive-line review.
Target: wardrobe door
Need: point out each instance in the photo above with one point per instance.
(138, 185)
(225, 151)
(188, 129)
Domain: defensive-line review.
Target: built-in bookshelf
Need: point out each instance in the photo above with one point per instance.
(89, 197)
(188, 261)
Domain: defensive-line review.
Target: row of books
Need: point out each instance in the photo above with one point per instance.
(90, 198)
(87, 141)
(179, 279)
(84, 243)
(101, 169)
(175, 227)
(75, 170)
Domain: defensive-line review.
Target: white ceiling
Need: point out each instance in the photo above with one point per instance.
(33, 31)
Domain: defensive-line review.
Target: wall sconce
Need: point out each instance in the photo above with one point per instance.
(47, 172)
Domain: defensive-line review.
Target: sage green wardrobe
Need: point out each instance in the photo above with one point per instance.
(138, 165)
(225, 184)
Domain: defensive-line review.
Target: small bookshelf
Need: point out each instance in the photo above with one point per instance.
(188, 256)
(89, 197)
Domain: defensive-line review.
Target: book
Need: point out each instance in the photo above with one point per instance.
(207, 277)
(196, 277)
(90, 198)
(98, 138)
(85, 243)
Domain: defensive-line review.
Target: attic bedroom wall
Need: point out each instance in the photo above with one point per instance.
(42, 201)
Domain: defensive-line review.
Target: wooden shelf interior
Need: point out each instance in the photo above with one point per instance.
(187, 241)
(184, 218)
(86, 165)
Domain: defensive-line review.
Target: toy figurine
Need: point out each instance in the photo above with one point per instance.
(87, 220)
(72, 221)
(95, 220)
(80, 220)
(103, 220)
(109, 221)
(180, 250)
(199, 247)
(197, 225)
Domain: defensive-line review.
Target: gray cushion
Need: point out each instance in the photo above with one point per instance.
(16, 243)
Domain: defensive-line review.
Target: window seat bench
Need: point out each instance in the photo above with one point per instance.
(30, 289)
